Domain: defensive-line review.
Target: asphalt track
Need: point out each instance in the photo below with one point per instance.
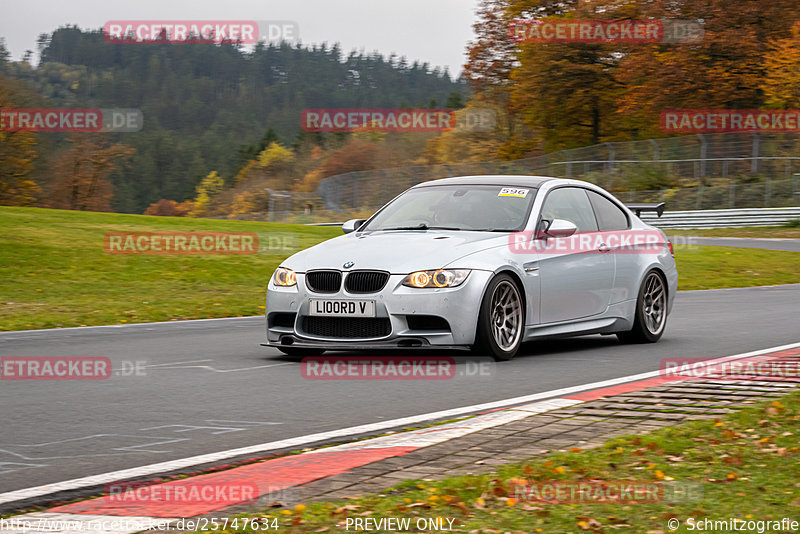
(207, 386)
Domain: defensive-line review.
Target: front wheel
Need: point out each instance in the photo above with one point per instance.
(501, 320)
(651, 312)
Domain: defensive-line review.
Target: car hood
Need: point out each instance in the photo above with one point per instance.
(399, 252)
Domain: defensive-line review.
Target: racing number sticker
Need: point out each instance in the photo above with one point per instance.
(513, 192)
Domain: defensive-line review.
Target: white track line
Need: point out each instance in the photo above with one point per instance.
(425, 437)
(299, 441)
(185, 322)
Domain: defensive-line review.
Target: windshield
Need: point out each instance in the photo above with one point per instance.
(456, 207)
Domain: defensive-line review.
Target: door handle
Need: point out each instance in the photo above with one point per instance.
(603, 248)
(531, 267)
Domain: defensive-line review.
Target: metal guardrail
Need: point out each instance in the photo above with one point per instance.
(722, 218)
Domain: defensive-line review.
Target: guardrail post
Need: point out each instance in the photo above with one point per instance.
(273, 196)
(569, 164)
(732, 194)
(754, 164)
(699, 200)
(610, 156)
(656, 152)
(703, 155)
(795, 189)
(767, 187)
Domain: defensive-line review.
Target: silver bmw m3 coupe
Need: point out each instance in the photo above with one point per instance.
(478, 262)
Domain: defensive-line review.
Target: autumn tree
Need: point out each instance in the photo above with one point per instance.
(166, 208)
(17, 152)
(491, 57)
(724, 70)
(569, 92)
(209, 187)
(492, 54)
(781, 83)
(275, 156)
(356, 155)
(81, 173)
(462, 143)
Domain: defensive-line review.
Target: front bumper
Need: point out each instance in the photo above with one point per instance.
(288, 307)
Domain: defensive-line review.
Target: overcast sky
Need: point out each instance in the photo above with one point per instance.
(435, 31)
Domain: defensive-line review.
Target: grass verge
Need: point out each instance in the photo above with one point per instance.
(743, 466)
(754, 231)
(55, 273)
(725, 267)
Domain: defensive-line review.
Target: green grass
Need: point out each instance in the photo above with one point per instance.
(54, 271)
(722, 267)
(792, 232)
(743, 466)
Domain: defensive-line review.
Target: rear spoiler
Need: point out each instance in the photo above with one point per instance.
(639, 208)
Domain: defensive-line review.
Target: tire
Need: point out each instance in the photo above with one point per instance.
(501, 320)
(300, 352)
(650, 319)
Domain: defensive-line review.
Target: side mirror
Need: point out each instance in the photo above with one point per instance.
(560, 228)
(352, 225)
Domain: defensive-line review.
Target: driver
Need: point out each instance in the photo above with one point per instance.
(449, 213)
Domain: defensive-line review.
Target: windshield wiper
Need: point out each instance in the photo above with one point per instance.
(420, 226)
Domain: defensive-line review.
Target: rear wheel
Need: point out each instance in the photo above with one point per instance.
(651, 311)
(501, 320)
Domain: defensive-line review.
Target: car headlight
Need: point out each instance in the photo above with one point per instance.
(437, 278)
(284, 277)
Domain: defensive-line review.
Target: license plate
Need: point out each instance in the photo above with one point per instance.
(342, 308)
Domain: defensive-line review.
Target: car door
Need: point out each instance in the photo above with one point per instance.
(576, 278)
(613, 220)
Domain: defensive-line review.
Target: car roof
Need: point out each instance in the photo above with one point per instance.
(491, 179)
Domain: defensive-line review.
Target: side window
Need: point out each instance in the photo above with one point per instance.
(570, 204)
(609, 216)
